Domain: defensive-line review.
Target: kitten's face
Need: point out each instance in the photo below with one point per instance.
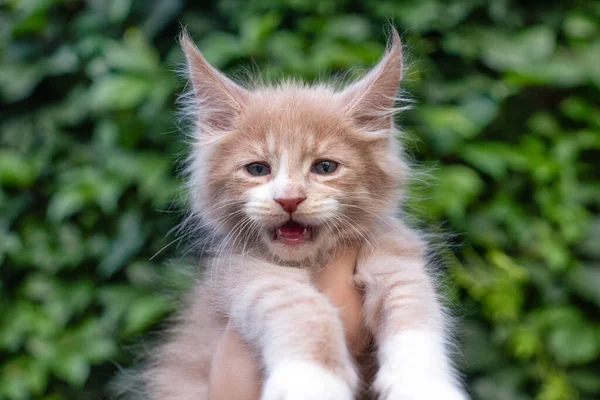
(290, 168)
(299, 173)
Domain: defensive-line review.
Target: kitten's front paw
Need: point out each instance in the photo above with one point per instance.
(305, 381)
(390, 386)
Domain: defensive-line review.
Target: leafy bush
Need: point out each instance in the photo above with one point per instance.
(508, 123)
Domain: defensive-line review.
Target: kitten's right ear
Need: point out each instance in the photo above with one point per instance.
(220, 99)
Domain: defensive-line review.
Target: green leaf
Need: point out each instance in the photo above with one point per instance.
(500, 385)
(145, 311)
(133, 55)
(22, 377)
(348, 27)
(585, 380)
(575, 343)
(117, 92)
(16, 169)
(219, 48)
(73, 368)
(128, 241)
(585, 281)
(530, 47)
(256, 29)
(478, 349)
(454, 188)
(579, 25)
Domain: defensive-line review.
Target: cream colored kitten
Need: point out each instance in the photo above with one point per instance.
(283, 175)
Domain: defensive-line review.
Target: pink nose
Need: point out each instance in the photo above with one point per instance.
(290, 204)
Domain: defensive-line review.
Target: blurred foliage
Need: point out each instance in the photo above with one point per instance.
(507, 126)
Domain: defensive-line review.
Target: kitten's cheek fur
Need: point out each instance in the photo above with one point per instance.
(414, 366)
(306, 381)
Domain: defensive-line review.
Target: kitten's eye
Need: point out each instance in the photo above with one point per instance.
(325, 167)
(258, 169)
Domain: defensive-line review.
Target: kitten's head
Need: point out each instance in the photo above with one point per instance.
(295, 169)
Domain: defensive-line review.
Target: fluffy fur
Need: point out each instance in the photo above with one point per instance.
(262, 286)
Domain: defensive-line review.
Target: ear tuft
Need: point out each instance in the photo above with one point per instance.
(370, 101)
(220, 100)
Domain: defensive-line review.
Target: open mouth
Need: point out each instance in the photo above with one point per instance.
(292, 233)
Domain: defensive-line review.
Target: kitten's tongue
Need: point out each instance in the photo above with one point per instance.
(292, 233)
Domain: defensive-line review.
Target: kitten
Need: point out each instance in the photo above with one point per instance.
(283, 175)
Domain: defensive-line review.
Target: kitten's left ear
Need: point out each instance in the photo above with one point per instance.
(370, 101)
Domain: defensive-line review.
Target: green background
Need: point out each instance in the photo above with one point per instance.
(506, 133)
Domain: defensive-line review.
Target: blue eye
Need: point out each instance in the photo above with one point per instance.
(258, 169)
(324, 167)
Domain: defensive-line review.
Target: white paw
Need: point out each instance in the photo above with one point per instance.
(305, 381)
(390, 386)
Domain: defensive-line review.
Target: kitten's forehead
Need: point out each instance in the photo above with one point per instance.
(293, 118)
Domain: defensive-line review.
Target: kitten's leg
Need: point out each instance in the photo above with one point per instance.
(235, 370)
(405, 315)
(179, 369)
(297, 332)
